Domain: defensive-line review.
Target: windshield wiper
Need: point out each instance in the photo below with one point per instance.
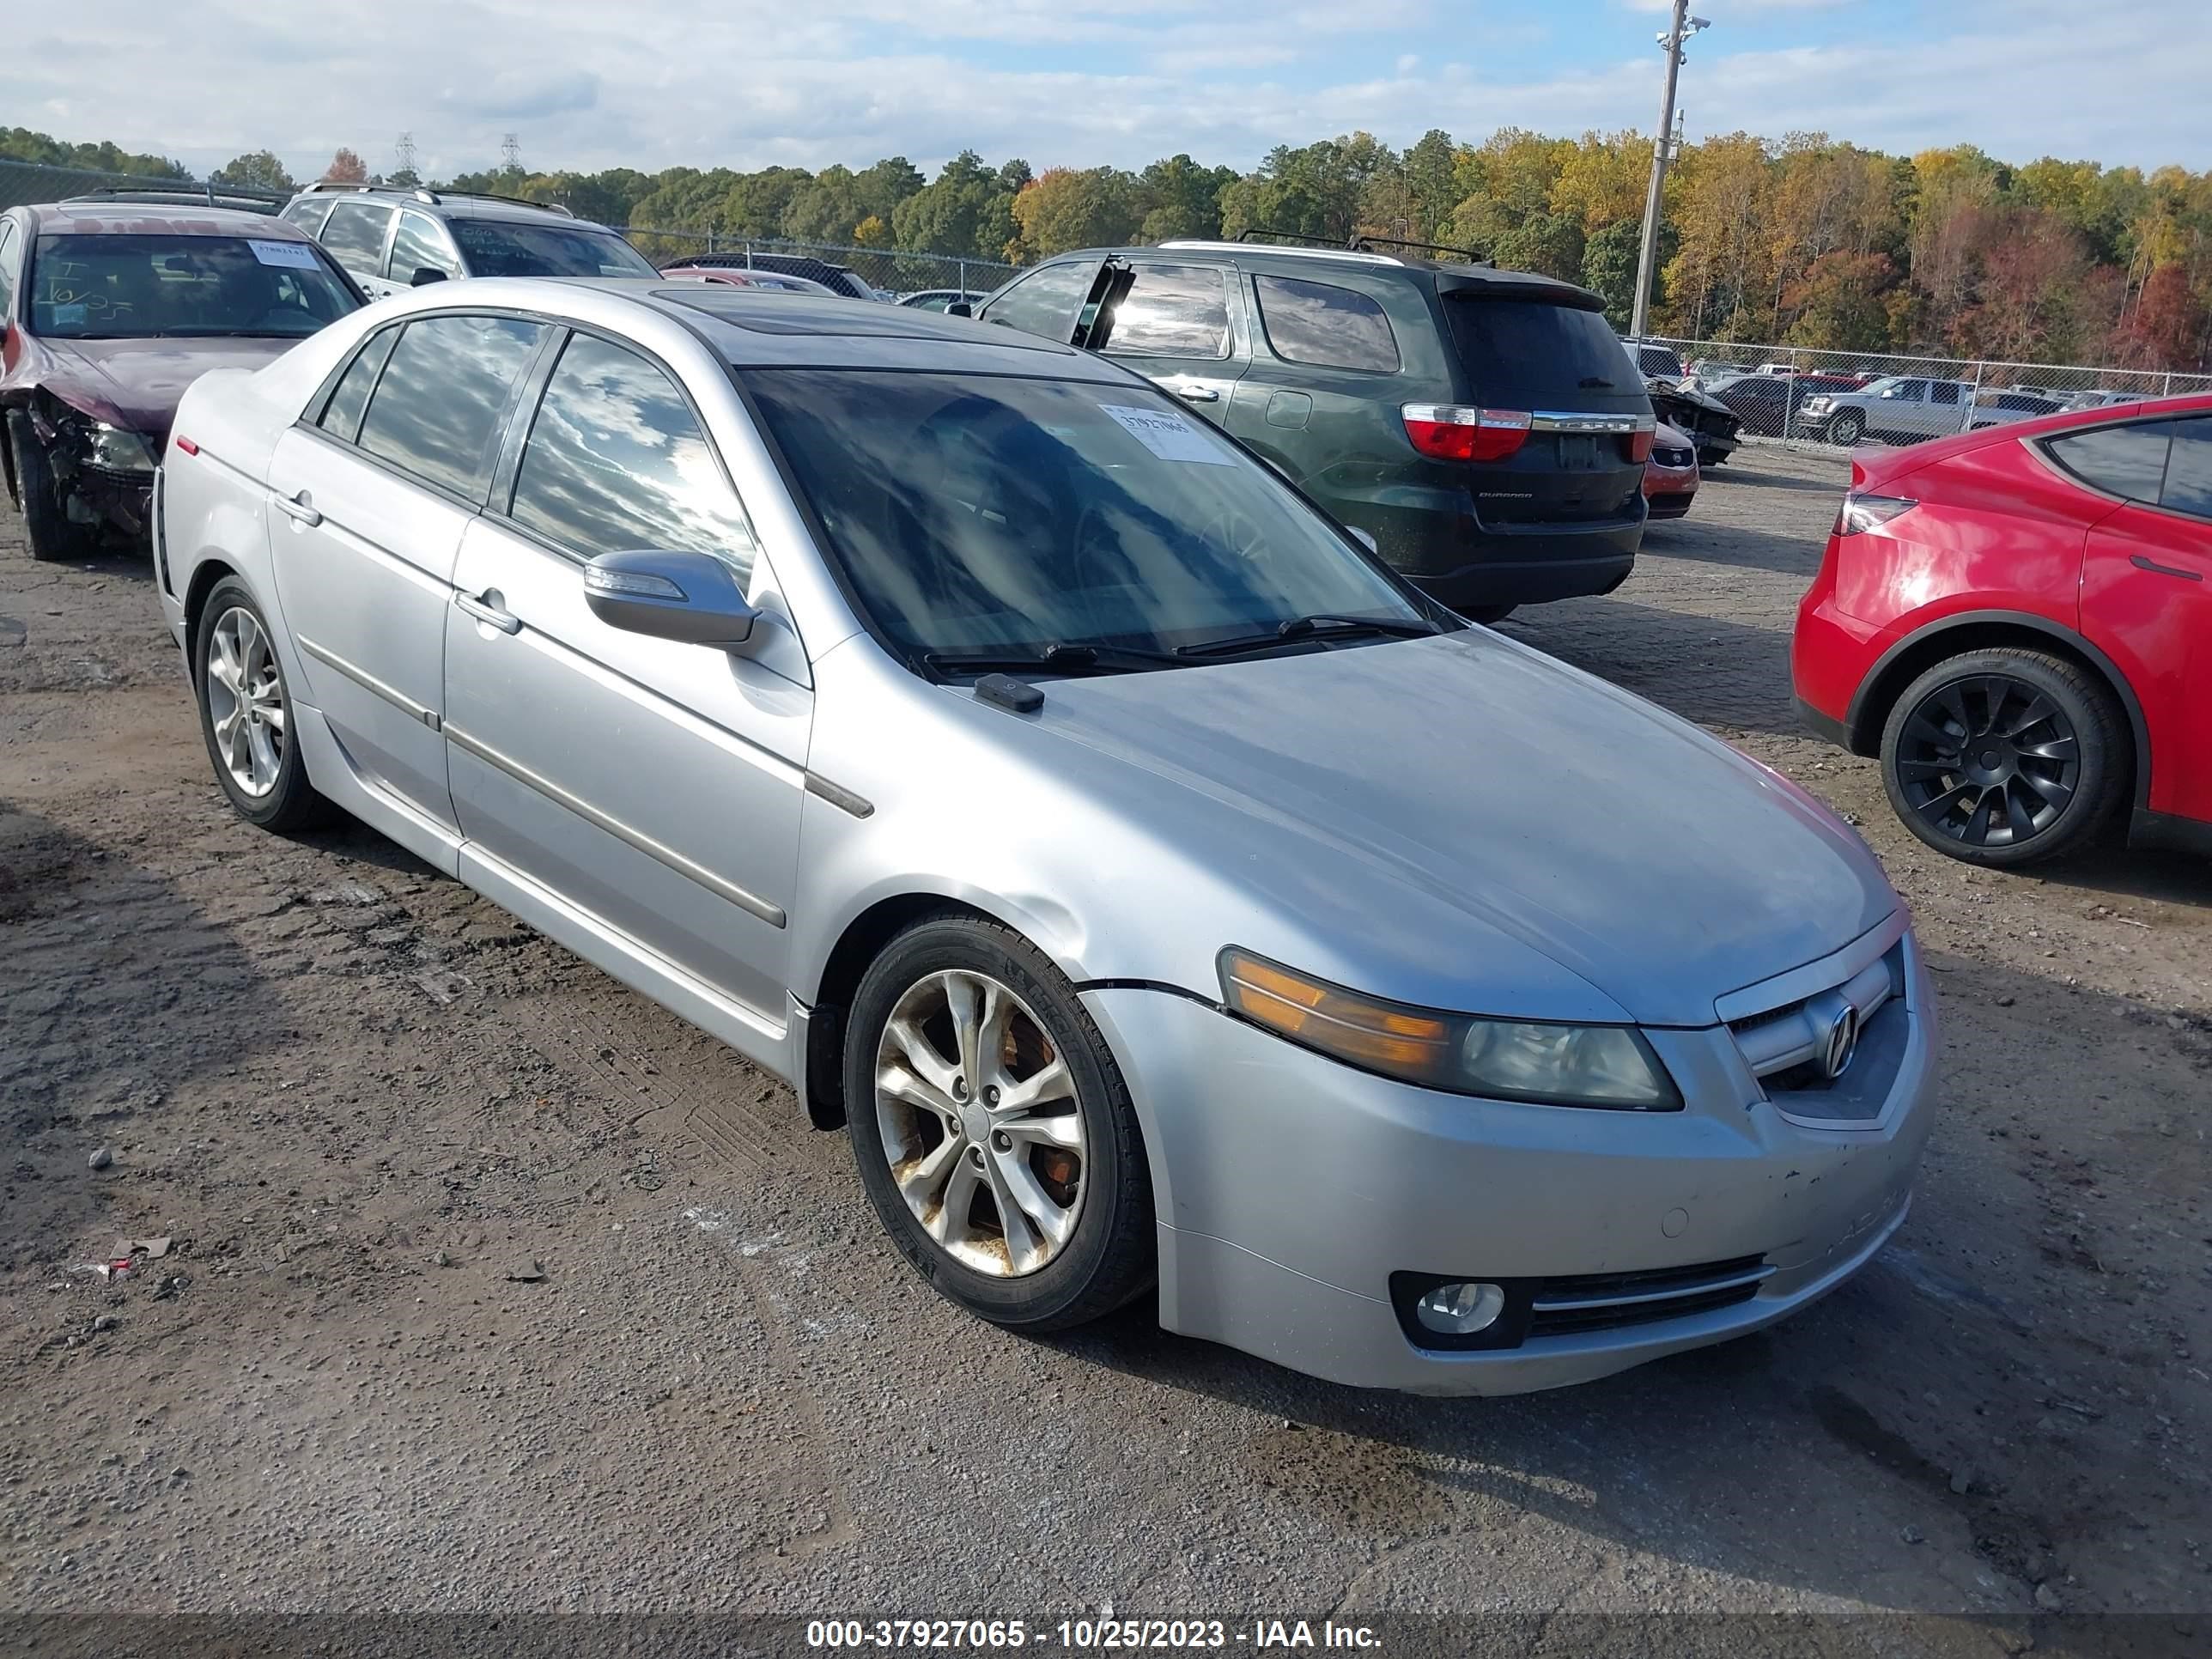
(1063, 658)
(1306, 628)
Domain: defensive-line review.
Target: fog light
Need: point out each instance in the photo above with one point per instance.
(1461, 1309)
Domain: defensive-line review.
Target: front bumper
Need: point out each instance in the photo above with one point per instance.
(1290, 1189)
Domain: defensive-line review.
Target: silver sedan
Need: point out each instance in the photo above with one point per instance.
(1168, 899)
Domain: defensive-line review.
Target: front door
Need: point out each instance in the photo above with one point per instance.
(654, 785)
(367, 510)
(2147, 591)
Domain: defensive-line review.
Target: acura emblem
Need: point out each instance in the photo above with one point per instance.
(1842, 1043)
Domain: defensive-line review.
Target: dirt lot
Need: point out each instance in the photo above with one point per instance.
(495, 1287)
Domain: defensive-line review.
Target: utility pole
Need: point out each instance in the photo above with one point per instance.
(1671, 42)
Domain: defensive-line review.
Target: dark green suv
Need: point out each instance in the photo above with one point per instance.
(1484, 427)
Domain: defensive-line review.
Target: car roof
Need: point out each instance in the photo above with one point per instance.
(1291, 260)
(749, 329)
(96, 217)
(450, 204)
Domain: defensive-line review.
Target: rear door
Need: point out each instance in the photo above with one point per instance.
(372, 490)
(355, 235)
(1176, 324)
(2147, 588)
(1582, 461)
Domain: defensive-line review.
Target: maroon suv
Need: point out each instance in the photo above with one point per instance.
(108, 310)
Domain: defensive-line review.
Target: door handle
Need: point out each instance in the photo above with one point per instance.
(296, 506)
(490, 614)
(1198, 394)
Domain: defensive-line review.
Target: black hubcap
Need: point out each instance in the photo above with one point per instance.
(1989, 762)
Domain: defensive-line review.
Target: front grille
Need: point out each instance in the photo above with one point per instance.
(1604, 1302)
(1674, 457)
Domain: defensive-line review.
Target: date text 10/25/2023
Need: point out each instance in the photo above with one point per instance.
(1101, 1634)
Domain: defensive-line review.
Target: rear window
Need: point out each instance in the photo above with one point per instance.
(355, 232)
(1533, 353)
(2189, 472)
(442, 397)
(2121, 460)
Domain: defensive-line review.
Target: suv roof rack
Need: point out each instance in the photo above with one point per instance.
(152, 195)
(433, 197)
(1365, 243)
(1323, 250)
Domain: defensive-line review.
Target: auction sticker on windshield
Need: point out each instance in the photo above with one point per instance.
(1168, 437)
(293, 255)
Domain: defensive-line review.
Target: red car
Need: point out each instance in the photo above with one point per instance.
(2018, 621)
(1670, 473)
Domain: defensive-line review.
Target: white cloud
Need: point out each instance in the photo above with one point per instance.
(655, 83)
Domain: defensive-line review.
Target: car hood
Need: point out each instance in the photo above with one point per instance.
(1693, 396)
(1431, 811)
(137, 383)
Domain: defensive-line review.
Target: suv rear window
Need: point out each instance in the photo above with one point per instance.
(1530, 353)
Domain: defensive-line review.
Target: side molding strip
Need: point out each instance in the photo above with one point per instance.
(837, 795)
(622, 832)
(367, 681)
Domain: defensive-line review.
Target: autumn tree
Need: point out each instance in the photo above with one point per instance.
(1179, 198)
(1721, 284)
(346, 168)
(1549, 244)
(257, 169)
(1603, 179)
(1063, 208)
(1841, 303)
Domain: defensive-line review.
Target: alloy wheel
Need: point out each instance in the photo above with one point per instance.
(245, 702)
(1987, 762)
(976, 1109)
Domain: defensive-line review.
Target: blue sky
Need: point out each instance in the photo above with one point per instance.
(589, 83)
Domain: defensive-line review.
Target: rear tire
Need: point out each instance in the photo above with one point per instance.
(938, 1165)
(246, 715)
(2006, 757)
(47, 530)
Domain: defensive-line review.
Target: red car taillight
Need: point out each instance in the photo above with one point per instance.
(1639, 445)
(1860, 512)
(1460, 432)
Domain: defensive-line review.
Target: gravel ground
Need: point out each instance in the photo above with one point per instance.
(495, 1288)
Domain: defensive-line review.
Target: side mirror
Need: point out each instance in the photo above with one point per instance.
(1365, 538)
(425, 274)
(689, 597)
(960, 308)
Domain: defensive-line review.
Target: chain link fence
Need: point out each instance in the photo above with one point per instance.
(892, 272)
(32, 181)
(1842, 398)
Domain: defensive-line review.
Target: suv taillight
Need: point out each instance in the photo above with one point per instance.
(1862, 512)
(1639, 444)
(1460, 432)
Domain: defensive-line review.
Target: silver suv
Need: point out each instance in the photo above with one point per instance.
(389, 239)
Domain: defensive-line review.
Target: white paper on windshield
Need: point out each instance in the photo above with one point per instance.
(293, 255)
(1168, 436)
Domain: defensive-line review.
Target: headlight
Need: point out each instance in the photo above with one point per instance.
(1609, 1066)
(114, 449)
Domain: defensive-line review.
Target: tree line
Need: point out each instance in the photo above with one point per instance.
(1804, 242)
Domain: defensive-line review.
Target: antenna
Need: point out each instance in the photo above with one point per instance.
(510, 151)
(404, 152)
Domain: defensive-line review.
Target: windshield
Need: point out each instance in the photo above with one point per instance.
(977, 514)
(144, 287)
(501, 247)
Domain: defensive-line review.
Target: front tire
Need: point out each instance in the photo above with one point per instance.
(245, 715)
(1489, 615)
(1846, 429)
(47, 530)
(993, 1130)
(2006, 757)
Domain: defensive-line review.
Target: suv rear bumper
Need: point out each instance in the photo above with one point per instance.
(1435, 539)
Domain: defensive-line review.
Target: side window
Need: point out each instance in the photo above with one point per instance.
(354, 233)
(417, 244)
(1947, 392)
(1045, 302)
(438, 409)
(309, 214)
(2189, 472)
(616, 462)
(1910, 391)
(1320, 324)
(1172, 311)
(9, 248)
(2121, 460)
(342, 413)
